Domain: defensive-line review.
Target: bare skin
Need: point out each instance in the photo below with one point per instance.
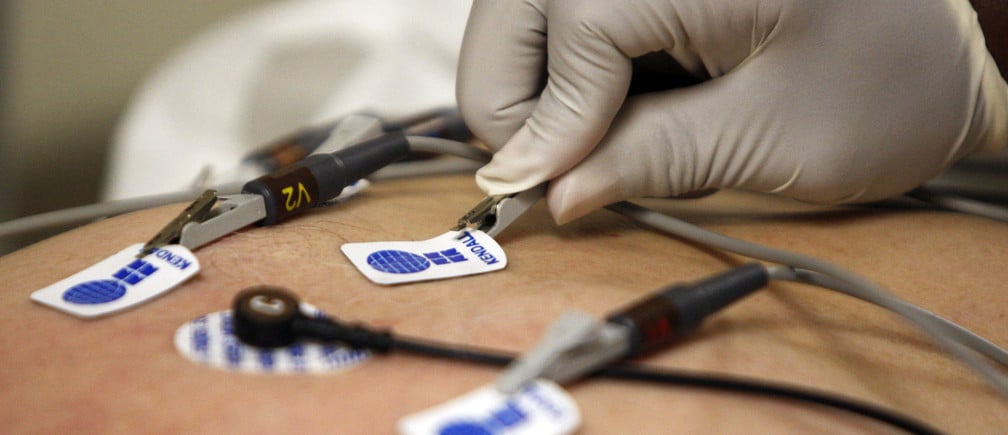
(122, 373)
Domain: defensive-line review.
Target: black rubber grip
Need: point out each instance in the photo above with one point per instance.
(285, 192)
(322, 177)
(663, 316)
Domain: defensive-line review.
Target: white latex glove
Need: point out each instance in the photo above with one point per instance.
(823, 101)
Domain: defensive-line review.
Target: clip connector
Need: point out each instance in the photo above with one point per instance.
(482, 216)
(202, 222)
(575, 345)
(195, 212)
(496, 212)
(233, 212)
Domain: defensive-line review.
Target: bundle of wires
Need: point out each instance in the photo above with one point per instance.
(970, 348)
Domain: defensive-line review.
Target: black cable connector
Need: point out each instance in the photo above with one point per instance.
(322, 177)
(291, 148)
(270, 317)
(662, 317)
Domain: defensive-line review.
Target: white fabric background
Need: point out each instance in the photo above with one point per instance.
(265, 73)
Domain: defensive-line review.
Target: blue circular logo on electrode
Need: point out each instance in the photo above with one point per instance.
(392, 261)
(464, 428)
(95, 292)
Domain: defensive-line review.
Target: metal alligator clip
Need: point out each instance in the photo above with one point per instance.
(575, 345)
(233, 212)
(199, 209)
(496, 212)
(201, 222)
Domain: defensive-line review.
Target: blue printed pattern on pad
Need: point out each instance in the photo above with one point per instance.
(392, 261)
(107, 290)
(95, 292)
(232, 346)
(445, 257)
(200, 338)
(501, 420)
(135, 272)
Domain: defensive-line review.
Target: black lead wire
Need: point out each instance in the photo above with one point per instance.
(267, 316)
(761, 387)
(689, 379)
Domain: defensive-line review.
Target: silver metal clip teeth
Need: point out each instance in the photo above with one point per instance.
(496, 212)
(195, 212)
(482, 216)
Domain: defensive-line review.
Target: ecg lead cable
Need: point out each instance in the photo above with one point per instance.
(311, 182)
(966, 346)
(577, 344)
(269, 317)
(962, 343)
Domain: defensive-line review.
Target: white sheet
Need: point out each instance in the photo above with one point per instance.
(267, 72)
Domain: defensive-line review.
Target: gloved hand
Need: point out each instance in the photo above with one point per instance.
(825, 101)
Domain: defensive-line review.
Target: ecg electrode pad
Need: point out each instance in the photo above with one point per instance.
(541, 407)
(120, 281)
(452, 254)
(210, 340)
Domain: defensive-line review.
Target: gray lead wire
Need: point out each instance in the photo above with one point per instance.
(447, 146)
(961, 204)
(76, 215)
(963, 335)
(937, 330)
(945, 332)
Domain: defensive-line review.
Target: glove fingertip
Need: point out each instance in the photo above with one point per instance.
(569, 199)
(491, 180)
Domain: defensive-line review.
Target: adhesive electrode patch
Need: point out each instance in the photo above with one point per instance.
(120, 281)
(453, 254)
(210, 340)
(541, 407)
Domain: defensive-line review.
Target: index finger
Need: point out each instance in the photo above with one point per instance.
(588, 74)
(502, 67)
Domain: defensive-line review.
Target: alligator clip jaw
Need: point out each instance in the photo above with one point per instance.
(170, 233)
(208, 218)
(496, 212)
